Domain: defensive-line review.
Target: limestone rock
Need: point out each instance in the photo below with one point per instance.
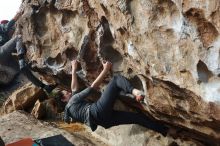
(177, 41)
(7, 75)
(23, 98)
(47, 109)
(18, 125)
(138, 136)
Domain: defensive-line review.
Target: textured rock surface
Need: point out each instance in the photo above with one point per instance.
(26, 126)
(47, 109)
(136, 135)
(38, 110)
(174, 44)
(23, 99)
(7, 75)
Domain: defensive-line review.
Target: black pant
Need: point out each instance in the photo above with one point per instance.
(104, 115)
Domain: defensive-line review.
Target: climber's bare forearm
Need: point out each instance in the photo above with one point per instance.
(106, 68)
(74, 82)
(99, 79)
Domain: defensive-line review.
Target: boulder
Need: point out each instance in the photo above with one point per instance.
(138, 136)
(47, 109)
(173, 44)
(38, 110)
(23, 98)
(18, 125)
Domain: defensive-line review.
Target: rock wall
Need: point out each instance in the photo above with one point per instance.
(171, 46)
(26, 126)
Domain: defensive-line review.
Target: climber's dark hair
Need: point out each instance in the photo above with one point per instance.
(57, 95)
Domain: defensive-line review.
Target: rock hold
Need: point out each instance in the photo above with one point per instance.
(23, 98)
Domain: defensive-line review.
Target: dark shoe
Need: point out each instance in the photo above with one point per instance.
(49, 88)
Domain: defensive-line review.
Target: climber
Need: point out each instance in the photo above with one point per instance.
(101, 112)
(9, 45)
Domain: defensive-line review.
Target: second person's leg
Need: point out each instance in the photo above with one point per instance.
(8, 48)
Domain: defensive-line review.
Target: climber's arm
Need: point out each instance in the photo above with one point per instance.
(95, 84)
(106, 67)
(74, 82)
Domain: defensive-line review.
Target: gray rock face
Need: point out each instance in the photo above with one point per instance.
(18, 125)
(134, 135)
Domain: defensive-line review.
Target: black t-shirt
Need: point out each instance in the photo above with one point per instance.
(79, 108)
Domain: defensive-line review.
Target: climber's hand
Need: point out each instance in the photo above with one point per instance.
(106, 65)
(74, 65)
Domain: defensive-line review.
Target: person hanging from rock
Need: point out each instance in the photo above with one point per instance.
(101, 112)
(9, 45)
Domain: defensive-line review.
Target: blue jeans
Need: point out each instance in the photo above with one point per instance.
(104, 115)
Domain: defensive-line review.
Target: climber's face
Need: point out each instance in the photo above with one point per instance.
(66, 96)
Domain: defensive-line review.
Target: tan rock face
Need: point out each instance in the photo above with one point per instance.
(47, 109)
(174, 44)
(138, 136)
(19, 125)
(23, 98)
(38, 110)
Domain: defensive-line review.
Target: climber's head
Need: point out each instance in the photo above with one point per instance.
(65, 96)
(61, 97)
